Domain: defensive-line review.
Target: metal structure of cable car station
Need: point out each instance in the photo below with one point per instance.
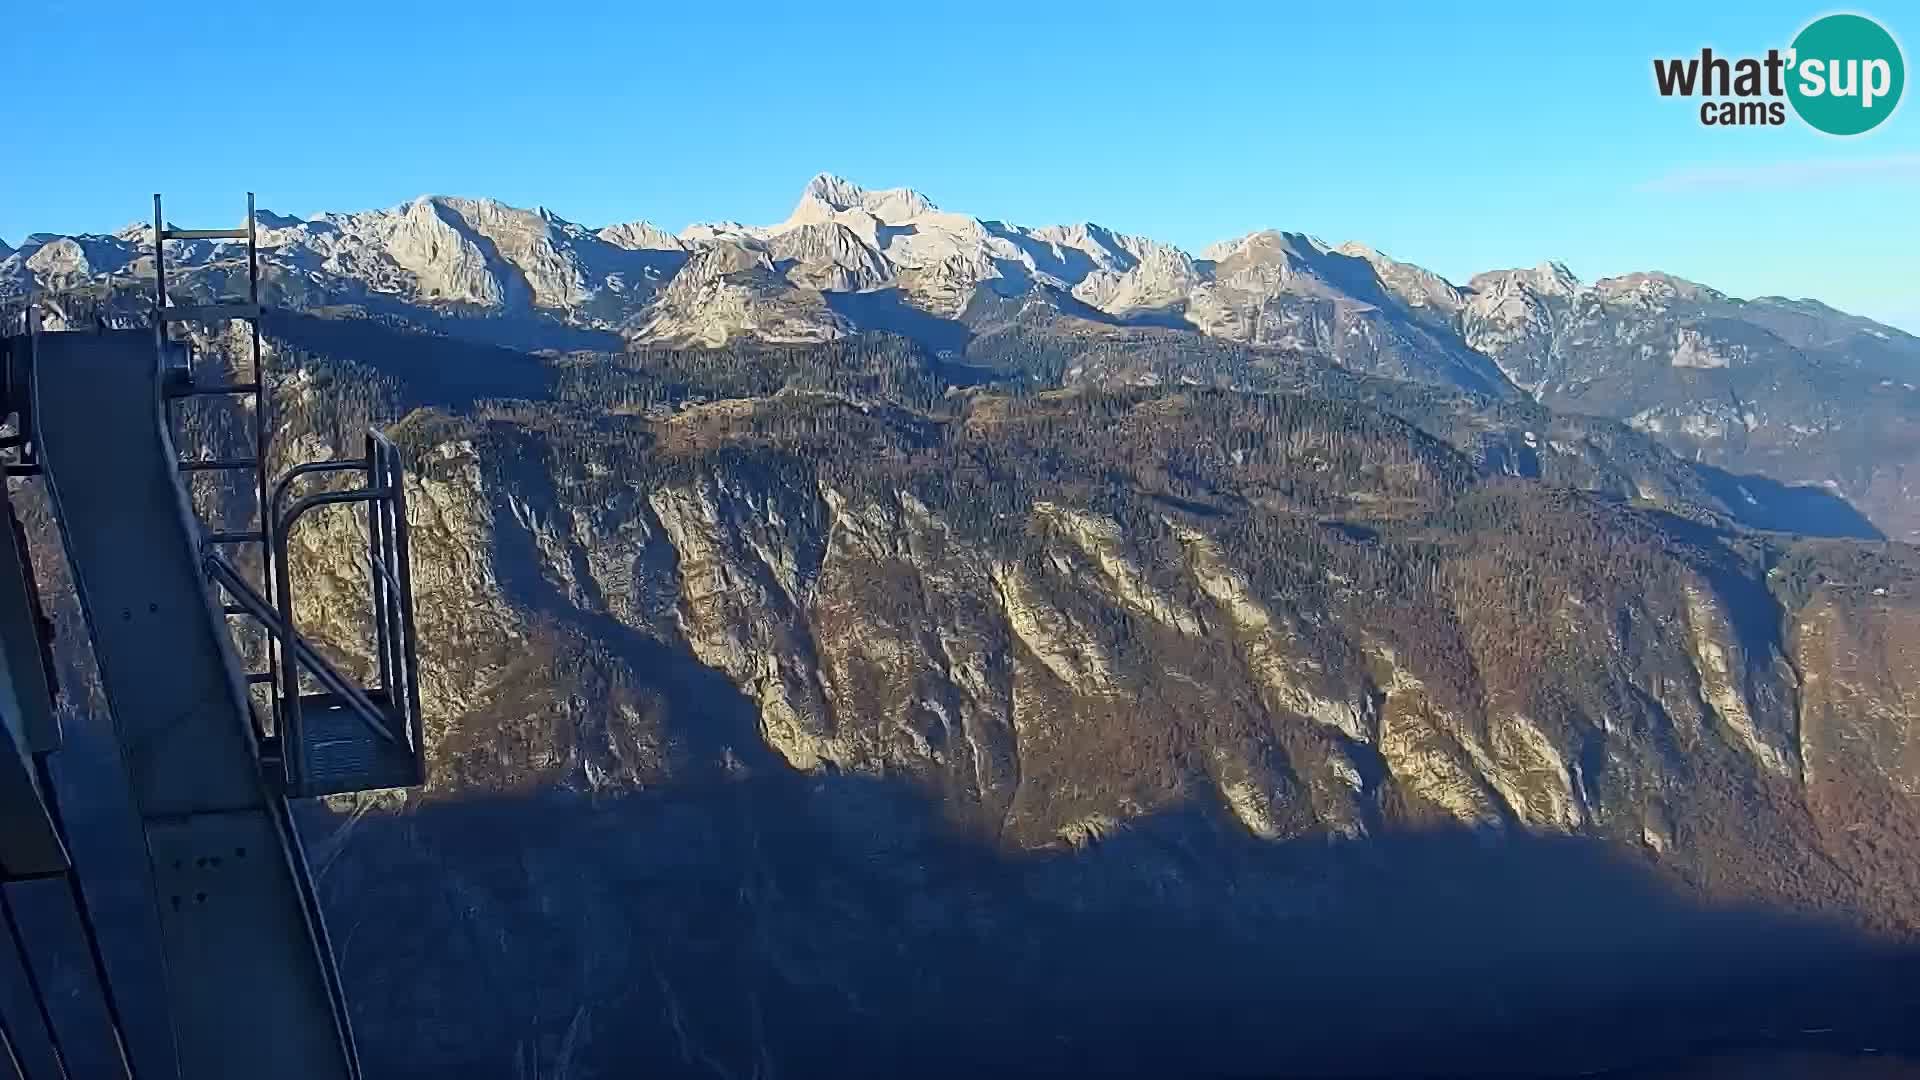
(213, 747)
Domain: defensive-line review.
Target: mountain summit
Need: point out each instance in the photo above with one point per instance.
(827, 194)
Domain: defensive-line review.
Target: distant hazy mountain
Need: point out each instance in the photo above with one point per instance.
(1789, 388)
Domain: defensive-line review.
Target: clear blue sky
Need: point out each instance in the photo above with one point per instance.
(1462, 138)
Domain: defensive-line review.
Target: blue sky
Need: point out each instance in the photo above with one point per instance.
(1513, 134)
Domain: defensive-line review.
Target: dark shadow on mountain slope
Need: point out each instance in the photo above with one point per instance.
(1763, 503)
(1351, 274)
(957, 373)
(525, 331)
(884, 310)
(1753, 611)
(728, 724)
(830, 925)
(443, 371)
(1167, 318)
(529, 332)
(1001, 304)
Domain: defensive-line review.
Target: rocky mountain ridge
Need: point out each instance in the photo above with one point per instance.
(1786, 388)
(841, 238)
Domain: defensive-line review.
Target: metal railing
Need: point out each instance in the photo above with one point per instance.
(393, 742)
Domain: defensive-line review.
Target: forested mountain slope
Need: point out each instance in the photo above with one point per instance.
(970, 705)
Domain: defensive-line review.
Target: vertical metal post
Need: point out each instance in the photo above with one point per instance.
(159, 269)
(407, 693)
(287, 720)
(379, 570)
(160, 303)
(261, 438)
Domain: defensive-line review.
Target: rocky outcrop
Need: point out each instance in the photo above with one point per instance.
(1421, 290)
(1292, 292)
(732, 289)
(1052, 669)
(830, 257)
(641, 236)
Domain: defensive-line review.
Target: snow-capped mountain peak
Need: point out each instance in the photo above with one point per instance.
(849, 258)
(827, 195)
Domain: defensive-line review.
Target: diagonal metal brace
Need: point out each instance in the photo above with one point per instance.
(236, 583)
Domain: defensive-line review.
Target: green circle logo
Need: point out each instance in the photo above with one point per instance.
(1847, 74)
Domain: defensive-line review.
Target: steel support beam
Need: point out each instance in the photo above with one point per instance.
(251, 979)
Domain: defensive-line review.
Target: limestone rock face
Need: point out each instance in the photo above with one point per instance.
(1471, 647)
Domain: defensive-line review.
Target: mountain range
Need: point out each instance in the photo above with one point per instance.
(1790, 389)
(1044, 650)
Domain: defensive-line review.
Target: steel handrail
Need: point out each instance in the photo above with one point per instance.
(395, 647)
(310, 468)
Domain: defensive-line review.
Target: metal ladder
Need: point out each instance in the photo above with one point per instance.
(345, 737)
(177, 363)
